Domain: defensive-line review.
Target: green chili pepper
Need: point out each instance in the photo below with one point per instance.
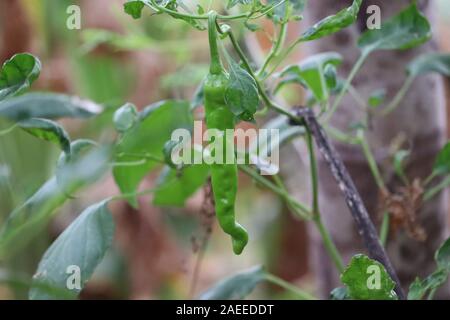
(220, 117)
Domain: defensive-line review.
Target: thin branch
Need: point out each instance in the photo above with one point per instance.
(399, 97)
(429, 194)
(207, 215)
(289, 287)
(347, 84)
(8, 130)
(354, 202)
(300, 209)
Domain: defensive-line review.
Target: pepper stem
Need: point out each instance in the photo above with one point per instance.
(216, 65)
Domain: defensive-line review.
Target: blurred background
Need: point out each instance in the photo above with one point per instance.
(111, 60)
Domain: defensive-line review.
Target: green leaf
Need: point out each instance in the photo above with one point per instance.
(442, 256)
(175, 186)
(70, 167)
(340, 293)
(200, 9)
(253, 27)
(17, 74)
(331, 77)
(19, 280)
(47, 130)
(298, 5)
(198, 98)
(173, 5)
(193, 22)
(294, 7)
(236, 287)
(418, 289)
(232, 3)
(399, 159)
(430, 62)
(409, 29)
(82, 245)
(311, 74)
(367, 279)
(134, 8)
(442, 162)
(125, 117)
(377, 98)
(145, 141)
(334, 23)
(436, 279)
(85, 164)
(48, 106)
(241, 95)
(27, 220)
(196, 72)
(357, 125)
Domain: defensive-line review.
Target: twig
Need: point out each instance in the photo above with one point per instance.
(207, 215)
(354, 202)
(289, 287)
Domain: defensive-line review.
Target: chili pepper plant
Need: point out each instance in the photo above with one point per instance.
(235, 90)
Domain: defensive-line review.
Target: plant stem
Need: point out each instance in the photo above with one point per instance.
(341, 136)
(289, 287)
(359, 100)
(129, 163)
(259, 85)
(348, 82)
(326, 237)
(430, 178)
(275, 50)
(384, 230)
(371, 160)
(283, 56)
(140, 193)
(8, 130)
(198, 265)
(142, 156)
(314, 176)
(329, 244)
(291, 204)
(216, 67)
(399, 97)
(263, 13)
(302, 210)
(429, 194)
(432, 293)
